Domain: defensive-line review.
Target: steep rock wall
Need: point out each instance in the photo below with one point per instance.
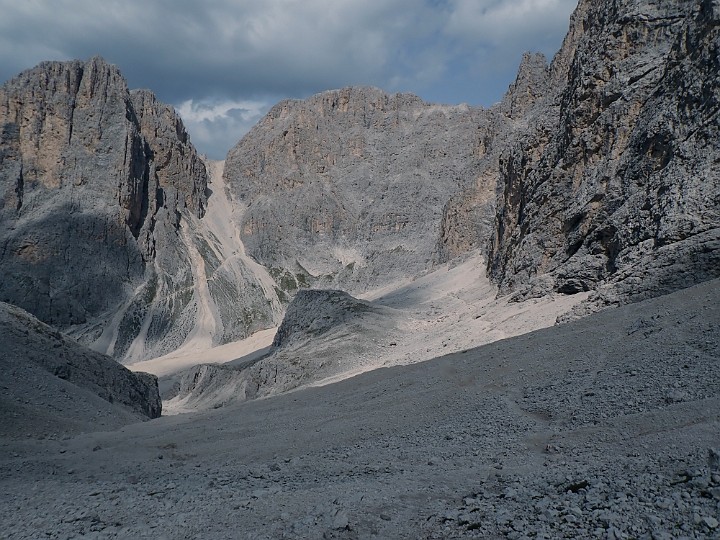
(616, 184)
(348, 188)
(93, 182)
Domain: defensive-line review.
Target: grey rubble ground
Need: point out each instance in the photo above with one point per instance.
(52, 386)
(597, 428)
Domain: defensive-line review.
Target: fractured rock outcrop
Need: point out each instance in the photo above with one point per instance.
(615, 186)
(469, 216)
(348, 188)
(102, 197)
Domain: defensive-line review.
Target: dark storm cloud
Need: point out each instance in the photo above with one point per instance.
(242, 55)
(183, 49)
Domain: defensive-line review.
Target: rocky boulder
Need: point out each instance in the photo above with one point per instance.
(314, 312)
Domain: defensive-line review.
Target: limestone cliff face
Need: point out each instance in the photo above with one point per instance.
(349, 187)
(469, 217)
(93, 181)
(176, 168)
(615, 183)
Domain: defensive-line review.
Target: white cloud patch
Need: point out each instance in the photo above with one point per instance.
(215, 125)
(510, 24)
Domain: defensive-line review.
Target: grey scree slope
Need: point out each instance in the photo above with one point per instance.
(52, 386)
(596, 428)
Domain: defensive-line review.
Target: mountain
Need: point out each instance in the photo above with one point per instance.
(615, 185)
(95, 179)
(596, 176)
(348, 188)
(440, 399)
(101, 200)
(597, 172)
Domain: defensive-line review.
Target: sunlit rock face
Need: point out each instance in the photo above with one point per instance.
(615, 186)
(350, 187)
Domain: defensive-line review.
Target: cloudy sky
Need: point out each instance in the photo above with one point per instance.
(223, 63)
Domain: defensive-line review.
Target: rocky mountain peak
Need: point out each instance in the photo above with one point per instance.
(348, 186)
(615, 188)
(177, 165)
(595, 172)
(530, 85)
(92, 176)
(39, 108)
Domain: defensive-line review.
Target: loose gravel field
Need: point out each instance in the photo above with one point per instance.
(600, 428)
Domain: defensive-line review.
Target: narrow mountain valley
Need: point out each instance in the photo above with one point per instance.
(378, 317)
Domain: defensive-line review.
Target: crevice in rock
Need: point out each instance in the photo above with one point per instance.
(145, 202)
(20, 190)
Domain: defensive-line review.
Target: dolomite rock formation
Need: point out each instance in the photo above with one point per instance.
(53, 385)
(349, 187)
(86, 196)
(615, 184)
(468, 220)
(596, 172)
(102, 197)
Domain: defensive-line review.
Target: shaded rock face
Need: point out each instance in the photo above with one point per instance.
(94, 180)
(615, 185)
(324, 334)
(468, 220)
(314, 312)
(52, 384)
(349, 188)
